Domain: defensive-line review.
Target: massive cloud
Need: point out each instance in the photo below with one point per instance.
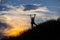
(19, 19)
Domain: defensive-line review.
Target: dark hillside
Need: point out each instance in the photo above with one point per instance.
(49, 30)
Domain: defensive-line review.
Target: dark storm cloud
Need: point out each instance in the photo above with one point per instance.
(3, 25)
(31, 7)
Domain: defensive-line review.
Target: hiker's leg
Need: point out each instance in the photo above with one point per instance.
(35, 24)
(31, 25)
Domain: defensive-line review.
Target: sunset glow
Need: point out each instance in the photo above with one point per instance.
(17, 26)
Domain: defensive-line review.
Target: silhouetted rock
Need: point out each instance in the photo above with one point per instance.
(49, 30)
(58, 19)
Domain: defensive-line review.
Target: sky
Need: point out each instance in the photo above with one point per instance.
(16, 13)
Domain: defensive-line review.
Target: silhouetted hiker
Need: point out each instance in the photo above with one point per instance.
(32, 20)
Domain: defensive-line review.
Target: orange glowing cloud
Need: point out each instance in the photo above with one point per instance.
(18, 26)
(13, 32)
